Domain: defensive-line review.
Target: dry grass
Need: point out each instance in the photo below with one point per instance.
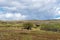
(15, 33)
(28, 35)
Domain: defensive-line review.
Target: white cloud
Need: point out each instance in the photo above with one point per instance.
(40, 3)
(57, 10)
(18, 15)
(57, 18)
(29, 7)
(14, 16)
(2, 0)
(10, 8)
(30, 4)
(12, 3)
(8, 15)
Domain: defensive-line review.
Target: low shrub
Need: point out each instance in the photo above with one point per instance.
(50, 27)
(28, 26)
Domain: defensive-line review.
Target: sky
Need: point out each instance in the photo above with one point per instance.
(29, 9)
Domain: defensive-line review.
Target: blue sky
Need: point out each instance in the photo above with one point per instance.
(29, 9)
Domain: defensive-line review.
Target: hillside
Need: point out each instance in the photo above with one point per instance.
(40, 30)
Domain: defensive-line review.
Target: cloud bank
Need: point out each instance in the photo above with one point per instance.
(9, 16)
(29, 9)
